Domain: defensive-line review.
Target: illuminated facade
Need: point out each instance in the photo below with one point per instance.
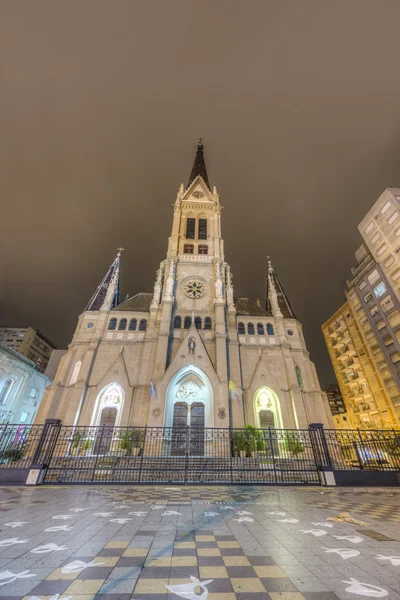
(189, 353)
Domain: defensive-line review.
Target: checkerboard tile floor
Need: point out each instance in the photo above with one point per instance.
(160, 543)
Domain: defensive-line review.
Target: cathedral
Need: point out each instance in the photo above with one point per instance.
(189, 353)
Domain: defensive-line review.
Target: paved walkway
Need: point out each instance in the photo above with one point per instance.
(220, 543)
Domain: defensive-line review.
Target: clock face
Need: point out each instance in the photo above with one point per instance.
(194, 288)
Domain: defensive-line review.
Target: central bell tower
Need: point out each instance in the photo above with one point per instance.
(194, 282)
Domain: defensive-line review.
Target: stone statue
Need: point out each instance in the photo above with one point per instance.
(157, 288)
(191, 345)
(229, 288)
(218, 284)
(169, 291)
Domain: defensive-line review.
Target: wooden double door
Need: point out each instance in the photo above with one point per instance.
(188, 429)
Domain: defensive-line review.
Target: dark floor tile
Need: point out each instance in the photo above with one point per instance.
(131, 561)
(231, 552)
(95, 573)
(206, 545)
(146, 532)
(183, 572)
(261, 561)
(210, 561)
(111, 552)
(147, 597)
(154, 572)
(279, 584)
(241, 572)
(48, 587)
(255, 596)
(184, 552)
(225, 538)
(112, 597)
(220, 585)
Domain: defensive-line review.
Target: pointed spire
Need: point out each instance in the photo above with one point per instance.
(106, 296)
(199, 166)
(277, 303)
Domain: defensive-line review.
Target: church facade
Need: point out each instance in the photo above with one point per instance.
(189, 353)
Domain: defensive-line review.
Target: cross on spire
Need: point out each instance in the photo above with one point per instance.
(120, 250)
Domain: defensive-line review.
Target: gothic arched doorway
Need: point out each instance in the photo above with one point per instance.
(267, 410)
(106, 416)
(189, 410)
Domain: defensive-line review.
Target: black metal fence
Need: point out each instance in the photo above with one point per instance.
(189, 455)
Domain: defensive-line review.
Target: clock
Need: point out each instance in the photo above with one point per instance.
(194, 288)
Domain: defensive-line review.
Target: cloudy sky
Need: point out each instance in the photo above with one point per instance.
(102, 104)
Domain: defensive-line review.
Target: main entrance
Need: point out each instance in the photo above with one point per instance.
(189, 412)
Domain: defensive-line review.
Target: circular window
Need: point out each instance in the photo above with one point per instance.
(194, 288)
(198, 194)
(89, 325)
(290, 332)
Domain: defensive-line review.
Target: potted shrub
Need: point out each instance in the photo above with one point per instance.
(87, 444)
(292, 443)
(254, 440)
(239, 443)
(130, 441)
(76, 439)
(13, 454)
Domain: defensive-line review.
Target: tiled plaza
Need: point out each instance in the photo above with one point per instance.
(215, 543)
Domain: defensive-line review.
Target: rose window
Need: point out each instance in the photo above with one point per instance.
(194, 288)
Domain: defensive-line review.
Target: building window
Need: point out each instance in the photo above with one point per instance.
(177, 322)
(132, 324)
(24, 417)
(197, 322)
(187, 322)
(190, 229)
(270, 329)
(122, 325)
(374, 310)
(368, 297)
(202, 229)
(5, 390)
(380, 290)
(75, 372)
(112, 324)
(143, 325)
(260, 329)
(250, 328)
(290, 332)
(241, 329)
(207, 323)
(188, 249)
(34, 393)
(203, 249)
(299, 378)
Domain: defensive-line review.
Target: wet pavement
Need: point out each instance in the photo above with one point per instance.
(215, 543)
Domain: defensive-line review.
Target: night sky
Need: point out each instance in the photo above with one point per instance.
(101, 106)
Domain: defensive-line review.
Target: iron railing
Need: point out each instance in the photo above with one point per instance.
(194, 454)
(351, 449)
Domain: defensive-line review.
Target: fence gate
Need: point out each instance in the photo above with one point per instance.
(183, 455)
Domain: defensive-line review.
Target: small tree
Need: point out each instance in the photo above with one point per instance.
(292, 443)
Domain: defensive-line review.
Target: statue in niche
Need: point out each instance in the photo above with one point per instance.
(218, 284)
(191, 345)
(157, 288)
(170, 281)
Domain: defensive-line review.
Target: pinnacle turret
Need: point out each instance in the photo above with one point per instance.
(106, 296)
(199, 166)
(277, 303)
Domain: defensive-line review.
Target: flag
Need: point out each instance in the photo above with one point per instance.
(152, 388)
(235, 391)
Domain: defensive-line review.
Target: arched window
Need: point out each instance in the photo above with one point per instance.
(197, 322)
(188, 249)
(142, 325)
(241, 329)
(202, 229)
(177, 322)
(299, 378)
(187, 322)
(75, 372)
(250, 328)
(132, 324)
(260, 329)
(190, 228)
(207, 323)
(122, 325)
(5, 390)
(203, 249)
(270, 329)
(112, 324)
